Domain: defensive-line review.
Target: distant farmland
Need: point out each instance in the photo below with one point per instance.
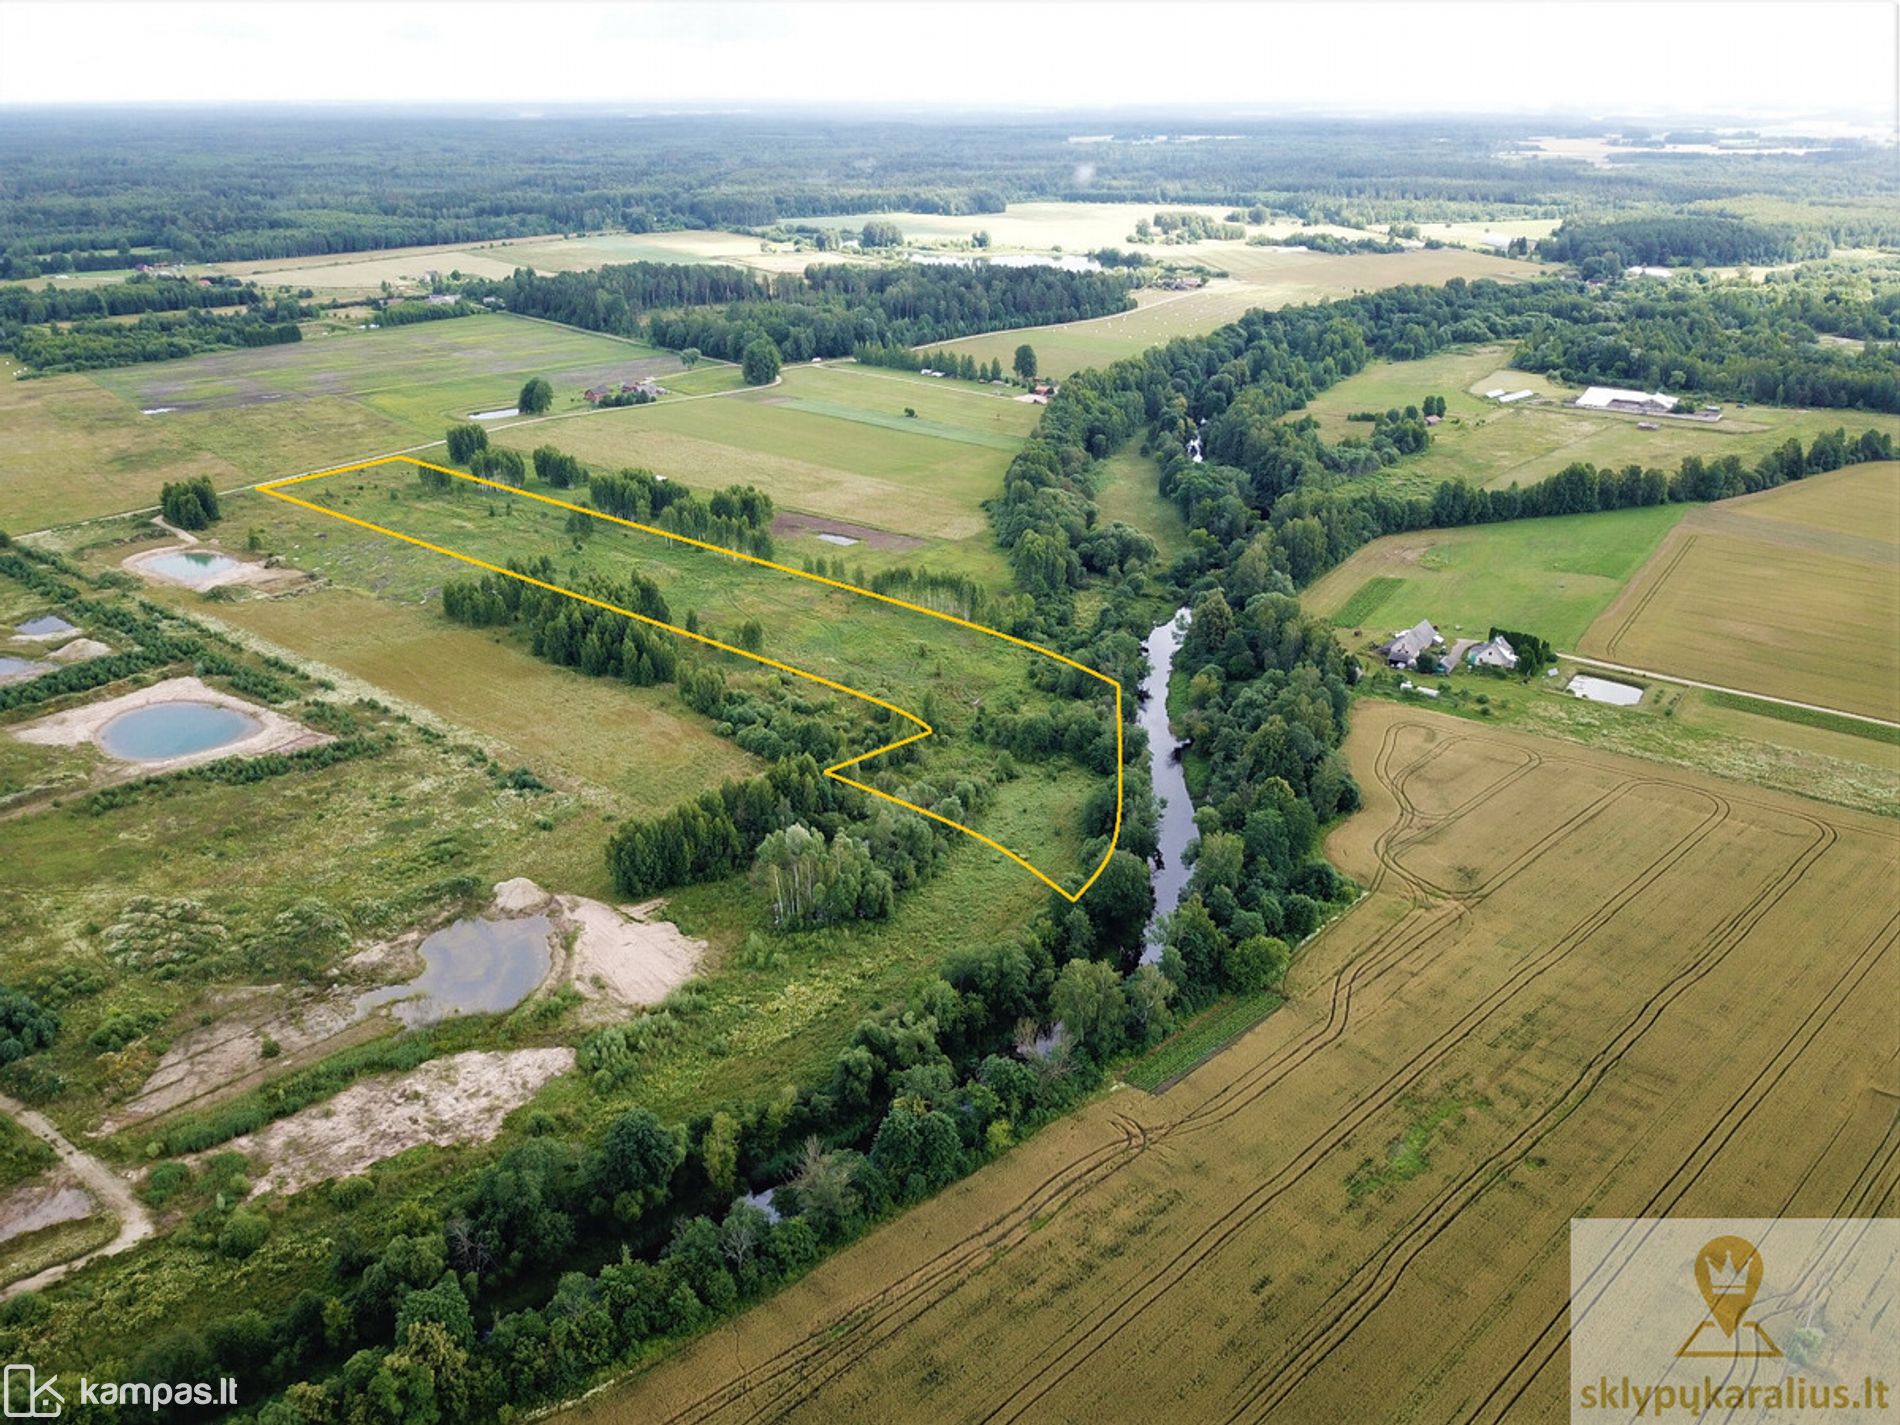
(1260, 277)
(1361, 1209)
(79, 445)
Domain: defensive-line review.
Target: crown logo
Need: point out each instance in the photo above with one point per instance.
(1728, 1276)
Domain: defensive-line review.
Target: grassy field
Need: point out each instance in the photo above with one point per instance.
(1258, 277)
(1128, 489)
(826, 441)
(22, 1155)
(1551, 577)
(1494, 445)
(637, 747)
(1790, 593)
(80, 447)
(1491, 1042)
(379, 621)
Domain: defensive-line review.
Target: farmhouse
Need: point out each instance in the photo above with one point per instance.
(1614, 398)
(1408, 643)
(1493, 653)
(647, 387)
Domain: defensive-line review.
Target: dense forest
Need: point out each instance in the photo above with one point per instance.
(90, 189)
(831, 310)
(1672, 240)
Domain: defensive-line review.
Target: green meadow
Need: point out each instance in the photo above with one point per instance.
(1551, 577)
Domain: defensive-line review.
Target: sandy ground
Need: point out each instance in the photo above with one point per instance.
(79, 650)
(51, 1198)
(626, 957)
(77, 726)
(618, 959)
(245, 571)
(111, 1191)
(219, 1060)
(459, 1099)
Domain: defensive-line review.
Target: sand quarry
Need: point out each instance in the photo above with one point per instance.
(236, 571)
(618, 958)
(81, 725)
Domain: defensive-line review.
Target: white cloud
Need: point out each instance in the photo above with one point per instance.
(1830, 57)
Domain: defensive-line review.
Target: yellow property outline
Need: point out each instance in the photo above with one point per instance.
(273, 489)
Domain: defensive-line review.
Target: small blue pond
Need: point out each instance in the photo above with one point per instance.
(44, 625)
(164, 730)
(13, 670)
(474, 966)
(190, 566)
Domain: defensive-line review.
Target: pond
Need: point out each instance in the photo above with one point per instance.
(14, 670)
(188, 566)
(1176, 828)
(497, 415)
(45, 626)
(158, 732)
(474, 966)
(1604, 690)
(841, 539)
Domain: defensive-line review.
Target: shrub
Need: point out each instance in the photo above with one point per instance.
(24, 1025)
(243, 1233)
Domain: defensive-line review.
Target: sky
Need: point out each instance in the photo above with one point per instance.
(1810, 59)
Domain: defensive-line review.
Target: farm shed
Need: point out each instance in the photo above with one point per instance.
(1614, 398)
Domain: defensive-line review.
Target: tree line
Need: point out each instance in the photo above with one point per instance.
(1605, 247)
(96, 344)
(830, 310)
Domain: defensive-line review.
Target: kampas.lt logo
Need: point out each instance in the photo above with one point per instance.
(26, 1397)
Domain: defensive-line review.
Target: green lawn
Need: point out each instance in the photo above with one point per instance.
(1550, 577)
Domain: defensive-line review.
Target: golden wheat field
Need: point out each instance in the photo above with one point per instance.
(1578, 985)
(1790, 592)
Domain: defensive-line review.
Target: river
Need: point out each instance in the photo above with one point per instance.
(1176, 830)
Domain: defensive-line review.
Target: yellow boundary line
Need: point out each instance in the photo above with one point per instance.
(272, 488)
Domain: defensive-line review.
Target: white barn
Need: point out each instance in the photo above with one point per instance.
(1614, 398)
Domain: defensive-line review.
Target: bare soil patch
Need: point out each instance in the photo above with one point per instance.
(53, 1197)
(786, 524)
(621, 957)
(79, 650)
(459, 1099)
